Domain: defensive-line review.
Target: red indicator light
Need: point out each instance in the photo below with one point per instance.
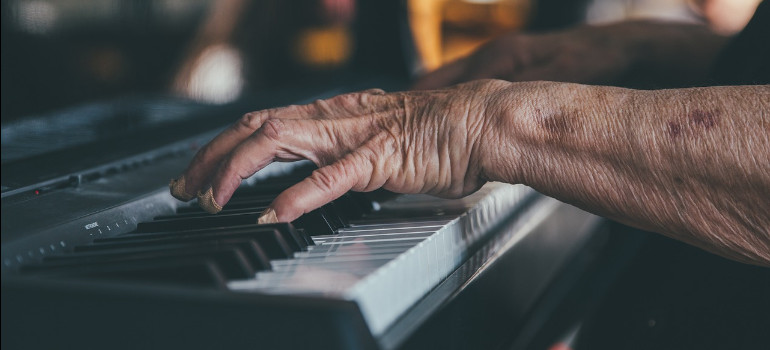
(37, 192)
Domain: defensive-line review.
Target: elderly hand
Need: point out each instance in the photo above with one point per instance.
(407, 142)
(636, 52)
(660, 160)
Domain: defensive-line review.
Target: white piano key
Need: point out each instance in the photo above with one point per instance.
(318, 260)
(382, 235)
(344, 252)
(383, 266)
(361, 248)
(379, 227)
(374, 240)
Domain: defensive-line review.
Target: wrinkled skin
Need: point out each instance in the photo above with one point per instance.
(407, 142)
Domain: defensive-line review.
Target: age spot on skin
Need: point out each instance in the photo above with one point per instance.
(706, 119)
(674, 129)
(556, 123)
(694, 121)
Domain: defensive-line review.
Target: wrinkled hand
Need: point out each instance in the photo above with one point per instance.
(407, 142)
(668, 54)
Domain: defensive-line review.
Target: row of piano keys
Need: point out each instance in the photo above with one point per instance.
(194, 248)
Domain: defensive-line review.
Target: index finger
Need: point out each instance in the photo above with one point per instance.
(208, 157)
(202, 168)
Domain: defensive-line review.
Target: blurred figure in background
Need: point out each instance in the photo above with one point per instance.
(726, 17)
(640, 43)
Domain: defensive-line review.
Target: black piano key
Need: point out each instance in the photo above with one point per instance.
(335, 215)
(201, 212)
(362, 201)
(234, 204)
(231, 261)
(250, 248)
(208, 221)
(274, 186)
(314, 222)
(349, 207)
(263, 189)
(257, 199)
(330, 213)
(278, 241)
(298, 239)
(189, 273)
(305, 237)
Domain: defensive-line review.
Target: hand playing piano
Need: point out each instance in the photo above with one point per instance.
(407, 142)
(560, 139)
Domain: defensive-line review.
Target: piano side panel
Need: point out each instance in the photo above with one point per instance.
(489, 299)
(49, 315)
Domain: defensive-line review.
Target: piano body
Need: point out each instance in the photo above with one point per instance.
(96, 254)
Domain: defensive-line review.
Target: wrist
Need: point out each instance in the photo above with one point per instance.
(543, 128)
(515, 114)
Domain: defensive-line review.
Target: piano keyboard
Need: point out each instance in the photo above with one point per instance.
(369, 257)
(382, 256)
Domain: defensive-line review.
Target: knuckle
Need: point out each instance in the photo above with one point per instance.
(310, 110)
(348, 101)
(229, 168)
(364, 97)
(274, 129)
(324, 179)
(322, 106)
(251, 121)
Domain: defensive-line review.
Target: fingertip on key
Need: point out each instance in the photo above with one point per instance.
(206, 202)
(268, 217)
(178, 189)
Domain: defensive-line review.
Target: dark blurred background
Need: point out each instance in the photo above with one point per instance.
(59, 53)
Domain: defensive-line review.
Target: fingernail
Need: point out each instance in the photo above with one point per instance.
(268, 217)
(206, 202)
(177, 189)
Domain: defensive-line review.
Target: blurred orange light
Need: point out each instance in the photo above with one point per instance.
(324, 47)
(445, 30)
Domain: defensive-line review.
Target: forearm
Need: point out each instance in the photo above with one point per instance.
(693, 164)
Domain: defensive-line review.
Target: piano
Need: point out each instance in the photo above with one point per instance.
(106, 257)
(97, 254)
